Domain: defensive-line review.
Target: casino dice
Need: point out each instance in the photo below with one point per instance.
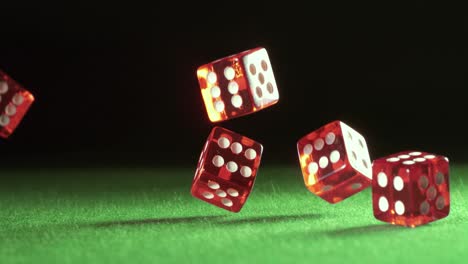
(14, 103)
(238, 85)
(335, 161)
(226, 170)
(411, 188)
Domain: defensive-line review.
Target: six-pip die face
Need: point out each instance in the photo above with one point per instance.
(238, 85)
(411, 188)
(14, 103)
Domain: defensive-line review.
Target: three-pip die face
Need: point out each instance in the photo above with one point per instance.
(227, 169)
(14, 103)
(238, 85)
(335, 162)
(411, 188)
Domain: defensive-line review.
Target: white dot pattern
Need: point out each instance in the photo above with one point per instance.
(246, 171)
(236, 101)
(208, 195)
(3, 87)
(226, 202)
(215, 91)
(330, 138)
(394, 159)
(221, 193)
(323, 162)
(318, 144)
(399, 207)
(334, 156)
(404, 156)
(382, 179)
(10, 109)
(429, 156)
(415, 153)
(233, 87)
(236, 148)
(408, 162)
(229, 73)
(231, 166)
(398, 183)
(419, 159)
(213, 185)
(308, 149)
(383, 204)
(218, 161)
(250, 154)
(4, 120)
(219, 106)
(211, 77)
(18, 99)
(223, 142)
(424, 208)
(232, 192)
(312, 168)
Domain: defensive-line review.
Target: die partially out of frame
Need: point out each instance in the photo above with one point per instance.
(15, 101)
(411, 188)
(227, 169)
(238, 85)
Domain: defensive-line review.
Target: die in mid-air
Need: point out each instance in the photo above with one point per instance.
(226, 169)
(335, 161)
(238, 85)
(14, 103)
(411, 188)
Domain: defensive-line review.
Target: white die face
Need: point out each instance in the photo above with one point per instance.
(260, 77)
(356, 150)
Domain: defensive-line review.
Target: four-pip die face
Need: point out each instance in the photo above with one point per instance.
(238, 85)
(226, 169)
(335, 162)
(14, 103)
(411, 188)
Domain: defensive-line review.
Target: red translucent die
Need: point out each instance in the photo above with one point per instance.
(14, 103)
(411, 188)
(335, 162)
(226, 169)
(238, 85)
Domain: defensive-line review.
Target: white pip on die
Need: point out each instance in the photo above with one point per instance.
(238, 85)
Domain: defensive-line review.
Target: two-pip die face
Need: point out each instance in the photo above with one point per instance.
(411, 188)
(14, 103)
(238, 85)
(335, 162)
(226, 169)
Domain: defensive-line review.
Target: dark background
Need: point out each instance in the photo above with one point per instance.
(116, 84)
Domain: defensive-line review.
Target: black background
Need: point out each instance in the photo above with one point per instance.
(116, 84)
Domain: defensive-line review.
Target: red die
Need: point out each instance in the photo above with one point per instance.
(411, 188)
(226, 170)
(238, 85)
(335, 162)
(14, 103)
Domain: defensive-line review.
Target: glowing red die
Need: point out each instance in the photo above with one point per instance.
(238, 85)
(335, 161)
(14, 103)
(227, 169)
(411, 188)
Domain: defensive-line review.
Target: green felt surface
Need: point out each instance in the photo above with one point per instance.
(148, 216)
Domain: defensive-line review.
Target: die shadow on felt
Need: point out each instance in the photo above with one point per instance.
(268, 219)
(155, 221)
(368, 229)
